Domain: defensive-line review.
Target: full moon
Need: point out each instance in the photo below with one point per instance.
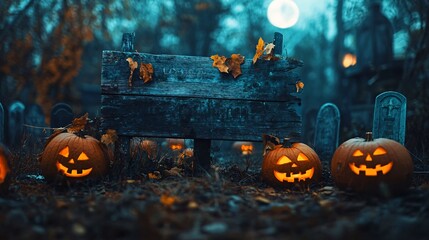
(283, 13)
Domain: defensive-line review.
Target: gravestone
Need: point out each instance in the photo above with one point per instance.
(1, 123)
(61, 115)
(327, 131)
(16, 122)
(35, 121)
(390, 112)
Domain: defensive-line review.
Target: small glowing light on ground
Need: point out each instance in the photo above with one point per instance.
(349, 60)
(283, 13)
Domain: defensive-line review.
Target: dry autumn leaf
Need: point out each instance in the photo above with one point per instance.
(155, 175)
(234, 64)
(109, 137)
(133, 65)
(146, 71)
(219, 63)
(299, 86)
(78, 124)
(259, 50)
(269, 48)
(167, 200)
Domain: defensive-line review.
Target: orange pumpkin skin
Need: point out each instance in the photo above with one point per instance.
(72, 157)
(294, 165)
(4, 169)
(372, 166)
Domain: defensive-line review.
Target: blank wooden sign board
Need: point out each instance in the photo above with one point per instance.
(189, 98)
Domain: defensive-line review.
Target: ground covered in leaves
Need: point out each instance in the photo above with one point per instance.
(227, 204)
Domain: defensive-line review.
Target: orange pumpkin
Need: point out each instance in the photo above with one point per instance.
(176, 144)
(4, 168)
(372, 165)
(74, 157)
(291, 164)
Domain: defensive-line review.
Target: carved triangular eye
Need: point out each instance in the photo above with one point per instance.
(283, 160)
(65, 152)
(379, 151)
(302, 157)
(83, 157)
(358, 153)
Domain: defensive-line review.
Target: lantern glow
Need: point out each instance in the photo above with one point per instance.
(349, 60)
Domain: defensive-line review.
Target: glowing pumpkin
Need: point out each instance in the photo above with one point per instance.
(4, 168)
(291, 164)
(372, 165)
(176, 144)
(244, 148)
(74, 157)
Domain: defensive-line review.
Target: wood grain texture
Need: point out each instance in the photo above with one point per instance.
(190, 76)
(197, 118)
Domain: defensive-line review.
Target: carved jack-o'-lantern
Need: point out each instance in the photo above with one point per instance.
(244, 148)
(74, 157)
(176, 144)
(372, 165)
(290, 164)
(4, 168)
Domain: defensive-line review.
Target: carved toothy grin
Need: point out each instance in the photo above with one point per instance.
(368, 171)
(73, 172)
(291, 177)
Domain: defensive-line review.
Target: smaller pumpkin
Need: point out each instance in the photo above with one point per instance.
(4, 168)
(244, 148)
(74, 157)
(291, 164)
(176, 144)
(372, 165)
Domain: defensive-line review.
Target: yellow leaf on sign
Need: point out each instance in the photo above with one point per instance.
(133, 65)
(219, 63)
(299, 86)
(234, 64)
(146, 71)
(269, 48)
(259, 50)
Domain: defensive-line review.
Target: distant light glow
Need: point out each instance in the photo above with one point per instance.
(349, 60)
(283, 13)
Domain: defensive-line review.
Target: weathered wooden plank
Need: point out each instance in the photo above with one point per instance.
(190, 76)
(199, 118)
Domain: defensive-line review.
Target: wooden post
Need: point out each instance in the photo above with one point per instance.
(122, 158)
(202, 155)
(128, 42)
(278, 42)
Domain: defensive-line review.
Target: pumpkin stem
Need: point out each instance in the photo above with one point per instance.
(369, 137)
(287, 142)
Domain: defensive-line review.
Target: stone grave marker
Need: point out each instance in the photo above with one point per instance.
(61, 115)
(16, 122)
(35, 121)
(390, 113)
(1, 123)
(327, 131)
